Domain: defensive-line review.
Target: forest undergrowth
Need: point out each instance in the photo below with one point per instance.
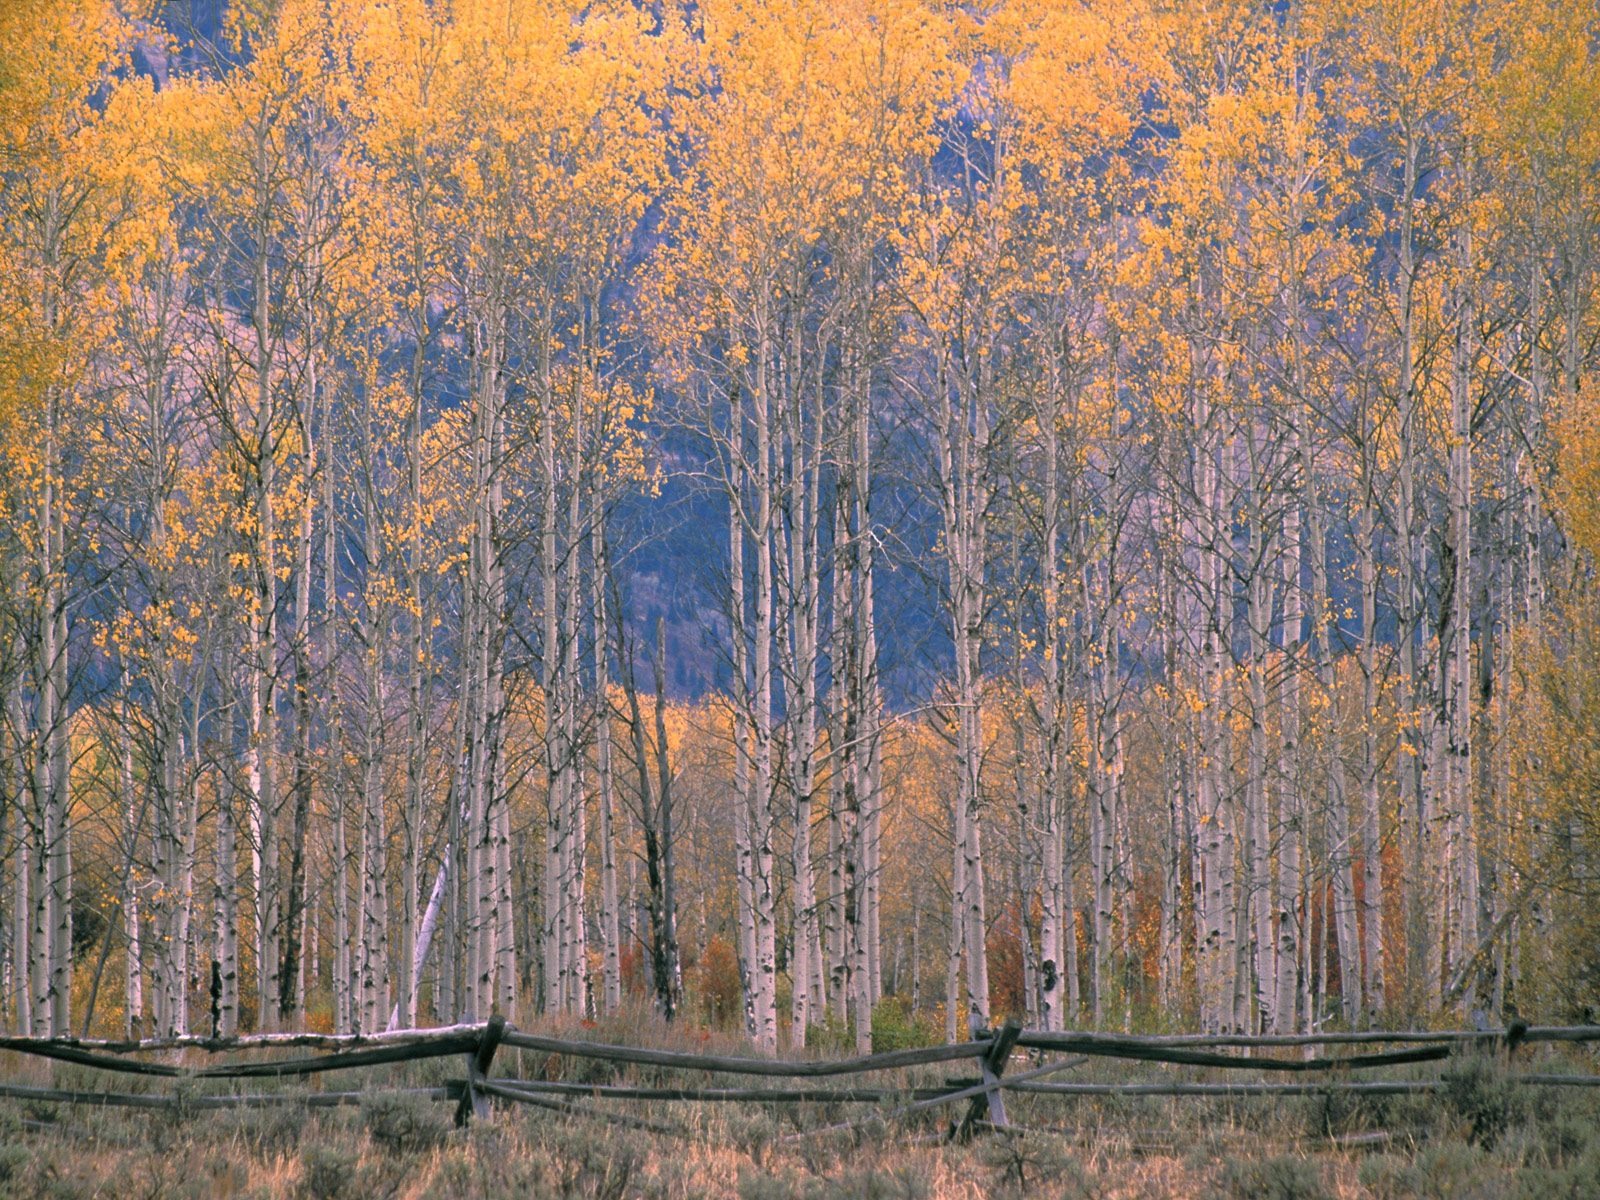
(1483, 1135)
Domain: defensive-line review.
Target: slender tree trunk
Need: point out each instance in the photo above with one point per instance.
(1456, 664)
(134, 957)
(1422, 934)
(610, 917)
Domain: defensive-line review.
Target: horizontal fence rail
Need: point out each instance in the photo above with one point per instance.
(254, 1041)
(1138, 1050)
(792, 1069)
(339, 1060)
(991, 1053)
(14, 1091)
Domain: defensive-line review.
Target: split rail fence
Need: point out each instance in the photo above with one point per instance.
(1313, 1064)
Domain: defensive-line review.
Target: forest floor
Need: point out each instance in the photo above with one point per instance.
(1484, 1136)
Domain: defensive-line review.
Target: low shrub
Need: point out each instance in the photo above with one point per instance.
(900, 1184)
(266, 1132)
(1272, 1179)
(327, 1173)
(1035, 1162)
(833, 1036)
(1575, 1180)
(1388, 1177)
(1479, 1094)
(14, 1161)
(1449, 1171)
(1452, 1171)
(896, 1027)
(404, 1124)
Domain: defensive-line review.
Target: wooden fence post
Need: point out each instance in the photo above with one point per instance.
(992, 1063)
(1516, 1034)
(475, 1103)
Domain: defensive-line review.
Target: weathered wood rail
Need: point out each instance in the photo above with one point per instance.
(990, 1051)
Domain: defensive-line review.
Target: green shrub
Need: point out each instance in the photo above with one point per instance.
(404, 1124)
(1336, 1111)
(1479, 1094)
(1272, 1179)
(832, 1036)
(1577, 1180)
(267, 1132)
(1388, 1177)
(580, 1159)
(1566, 1135)
(327, 1172)
(14, 1161)
(896, 1027)
(751, 1131)
(1451, 1170)
(757, 1185)
(900, 1184)
(1036, 1162)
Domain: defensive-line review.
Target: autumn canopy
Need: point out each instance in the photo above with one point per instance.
(834, 517)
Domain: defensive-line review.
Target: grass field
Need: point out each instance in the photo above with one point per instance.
(1483, 1136)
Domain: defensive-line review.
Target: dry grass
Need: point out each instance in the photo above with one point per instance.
(1484, 1137)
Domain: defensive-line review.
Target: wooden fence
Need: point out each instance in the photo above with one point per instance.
(992, 1053)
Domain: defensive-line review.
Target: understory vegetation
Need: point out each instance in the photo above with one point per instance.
(1482, 1134)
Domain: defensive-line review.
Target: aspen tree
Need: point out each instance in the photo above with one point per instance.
(402, 93)
(1402, 82)
(755, 258)
(610, 899)
(1216, 375)
(654, 812)
(244, 147)
(956, 258)
(56, 59)
(1072, 79)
